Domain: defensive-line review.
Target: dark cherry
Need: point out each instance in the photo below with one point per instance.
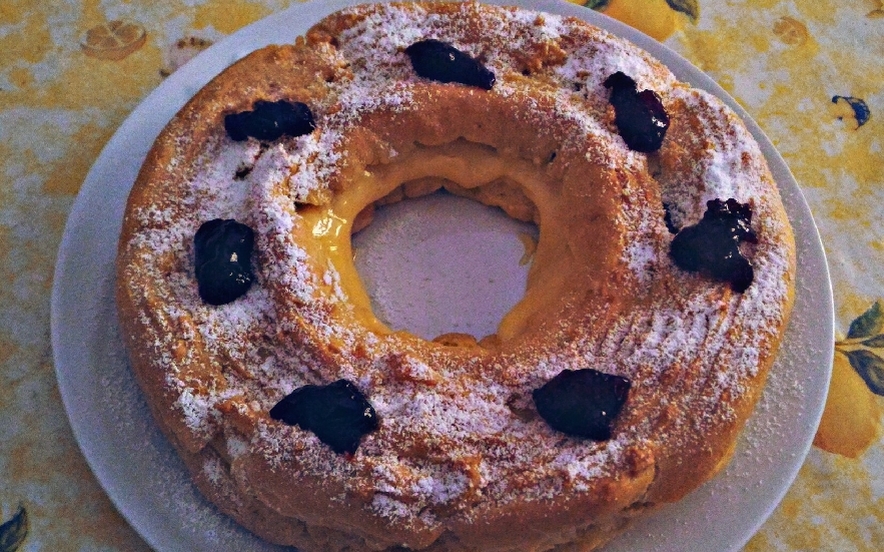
(223, 253)
(440, 61)
(268, 121)
(711, 246)
(640, 117)
(582, 403)
(337, 413)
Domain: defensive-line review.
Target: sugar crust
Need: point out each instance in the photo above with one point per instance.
(459, 462)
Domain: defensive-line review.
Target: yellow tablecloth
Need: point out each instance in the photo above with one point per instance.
(810, 73)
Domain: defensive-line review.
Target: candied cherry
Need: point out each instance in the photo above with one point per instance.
(582, 403)
(222, 256)
(640, 117)
(711, 246)
(440, 61)
(268, 121)
(337, 413)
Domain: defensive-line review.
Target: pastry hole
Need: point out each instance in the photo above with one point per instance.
(510, 184)
(439, 263)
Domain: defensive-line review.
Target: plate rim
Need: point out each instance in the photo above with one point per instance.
(130, 140)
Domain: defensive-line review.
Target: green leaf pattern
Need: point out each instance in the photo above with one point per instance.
(876, 342)
(864, 347)
(869, 323)
(14, 532)
(870, 366)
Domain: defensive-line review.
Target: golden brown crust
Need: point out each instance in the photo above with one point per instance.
(461, 460)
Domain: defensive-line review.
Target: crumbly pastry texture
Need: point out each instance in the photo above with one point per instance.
(460, 459)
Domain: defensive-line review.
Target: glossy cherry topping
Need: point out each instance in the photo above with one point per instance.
(269, 121)
(640, 117)
(440, 61)
(711, 246)
(582, 403)
(222, 255)
(337, 413)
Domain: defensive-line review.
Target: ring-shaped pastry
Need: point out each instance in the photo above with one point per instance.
(454, 448)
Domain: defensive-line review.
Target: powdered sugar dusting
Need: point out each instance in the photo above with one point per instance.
(454, 429)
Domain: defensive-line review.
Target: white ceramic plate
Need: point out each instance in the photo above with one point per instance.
(144, 477)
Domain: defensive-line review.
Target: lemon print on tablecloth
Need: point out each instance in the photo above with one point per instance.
(658, 19)
(113, 40)
(14, 531)
(791, 31)
(852, 417)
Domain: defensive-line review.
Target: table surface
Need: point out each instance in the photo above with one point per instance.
(810, 73)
